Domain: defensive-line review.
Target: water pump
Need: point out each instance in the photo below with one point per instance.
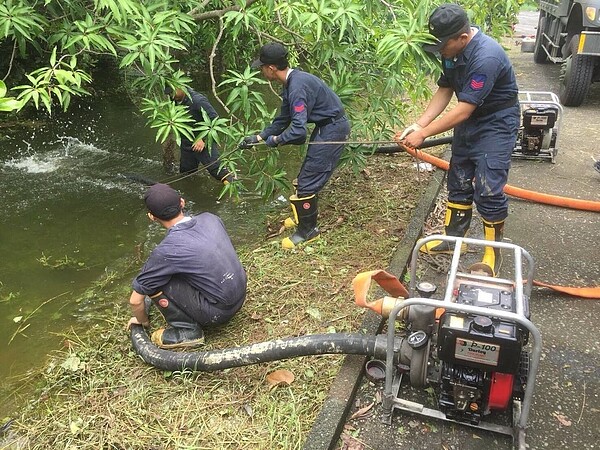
(472, 347)
(541, 117)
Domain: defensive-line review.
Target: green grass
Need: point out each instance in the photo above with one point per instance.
(96, 393)
(529, 5)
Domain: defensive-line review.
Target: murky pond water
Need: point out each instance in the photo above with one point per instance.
(69, 211)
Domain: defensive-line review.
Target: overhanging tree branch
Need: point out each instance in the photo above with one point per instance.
(12, 58)
(211, 59)
(199, 16)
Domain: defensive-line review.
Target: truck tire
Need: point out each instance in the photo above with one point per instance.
(539, 54)
(576, 76)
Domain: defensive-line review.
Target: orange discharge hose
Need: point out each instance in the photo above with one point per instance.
(555, 200)
(538, 197)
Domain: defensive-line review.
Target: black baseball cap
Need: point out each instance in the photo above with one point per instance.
(163, 201)
(272, 53)
(445, 21)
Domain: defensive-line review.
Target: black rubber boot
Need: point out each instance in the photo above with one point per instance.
(492, 257)
(306, 212)
(457, 223)
(182, 331)
(229, 177)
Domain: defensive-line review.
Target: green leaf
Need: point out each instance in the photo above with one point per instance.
(53, 57)
(314, 313)
(75, 426)
(72, 363)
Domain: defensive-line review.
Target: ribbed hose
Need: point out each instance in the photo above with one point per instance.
(317, 344)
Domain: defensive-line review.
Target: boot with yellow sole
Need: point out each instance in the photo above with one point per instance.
(305, 213)
(457, 223)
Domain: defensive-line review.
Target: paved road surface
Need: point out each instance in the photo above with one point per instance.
(565, 245)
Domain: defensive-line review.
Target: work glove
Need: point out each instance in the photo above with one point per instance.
(407, 131)
(248, 142)
(272, 141)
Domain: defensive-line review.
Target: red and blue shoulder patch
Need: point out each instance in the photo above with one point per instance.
(299, 107)
(478, 82)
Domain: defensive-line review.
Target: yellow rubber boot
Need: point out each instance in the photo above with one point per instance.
(492, 257)
(228, 178)
(182, 331)
(292, 221)
(456, 223)
(169, 338)
(305, 211)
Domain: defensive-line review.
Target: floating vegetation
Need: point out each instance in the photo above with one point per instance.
(63, 263)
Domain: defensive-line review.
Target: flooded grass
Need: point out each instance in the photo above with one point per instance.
(96, 393)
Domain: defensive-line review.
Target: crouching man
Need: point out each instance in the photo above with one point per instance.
(194, 276)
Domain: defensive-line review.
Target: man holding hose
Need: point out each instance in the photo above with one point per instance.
(485, 121)
(305, 99)
(195, 154)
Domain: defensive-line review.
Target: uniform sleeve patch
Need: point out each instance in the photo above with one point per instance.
(299, 107)
(477, 82)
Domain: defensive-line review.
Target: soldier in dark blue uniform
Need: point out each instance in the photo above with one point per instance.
(194, 154)
(485, 121)
(305, 99)
(194, 276)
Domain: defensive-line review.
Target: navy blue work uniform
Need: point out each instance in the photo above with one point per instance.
(190, 160)
(307, 99)
(482, 75)
(197, 268)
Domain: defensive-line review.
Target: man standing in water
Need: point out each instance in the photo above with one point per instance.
(194, 276)
(305, 99)
(194, 154)
(485, 121)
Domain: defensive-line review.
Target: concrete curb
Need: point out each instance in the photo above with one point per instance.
(329, 424)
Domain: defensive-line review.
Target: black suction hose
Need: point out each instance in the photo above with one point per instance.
(316, 344)
(427, 143)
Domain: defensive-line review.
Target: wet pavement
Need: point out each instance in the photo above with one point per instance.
(564, 244)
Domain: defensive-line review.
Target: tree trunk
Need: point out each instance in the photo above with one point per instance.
(169, 162)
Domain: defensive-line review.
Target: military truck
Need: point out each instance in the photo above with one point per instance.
(568, 33)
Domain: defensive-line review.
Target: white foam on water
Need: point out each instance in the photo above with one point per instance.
(77, 165)
(108, 185)
(73, 144)
(35, 163)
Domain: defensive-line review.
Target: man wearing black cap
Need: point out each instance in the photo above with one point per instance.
(305, 99)
(194, 154)
(194, 276)
(485, 121)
